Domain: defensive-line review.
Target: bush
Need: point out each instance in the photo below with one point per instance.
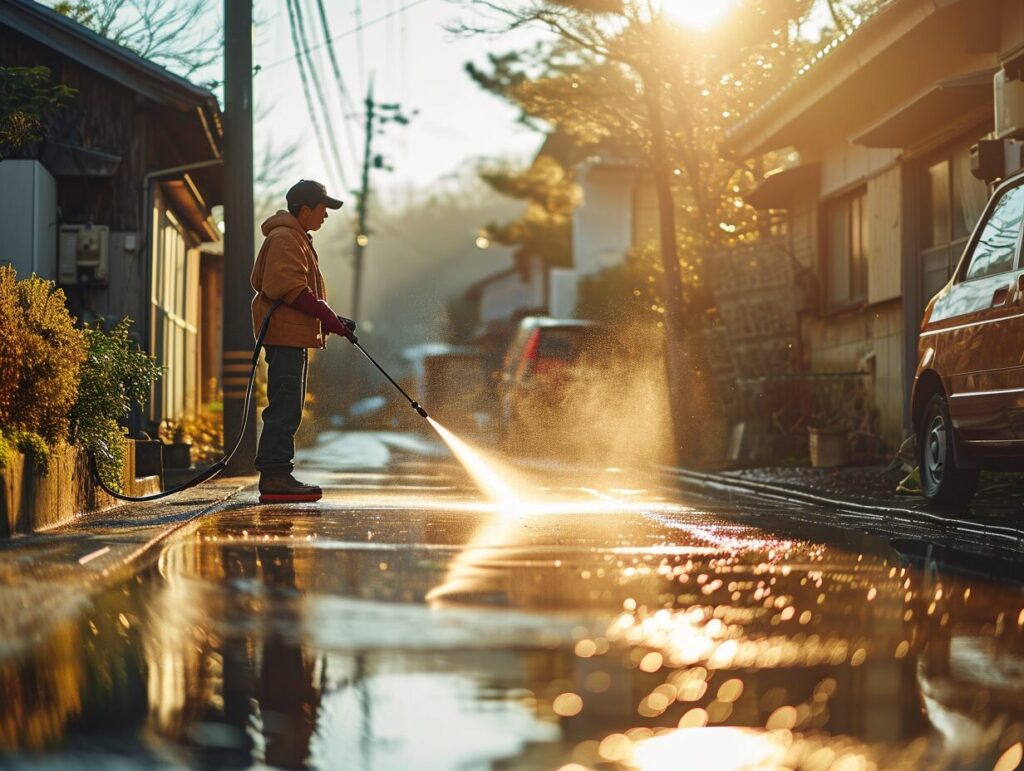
(41, 353)
(116, 375)
(28, 102)
(6, 451)
(12, 342)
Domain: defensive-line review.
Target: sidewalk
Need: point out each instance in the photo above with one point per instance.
(44, 574)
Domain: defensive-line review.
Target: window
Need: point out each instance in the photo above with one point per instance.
(847, 233)
(950, 202)
(997, 244)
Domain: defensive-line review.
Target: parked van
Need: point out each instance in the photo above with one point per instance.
(538, 367)
(968, 396)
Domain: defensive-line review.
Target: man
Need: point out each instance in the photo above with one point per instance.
(288, 269)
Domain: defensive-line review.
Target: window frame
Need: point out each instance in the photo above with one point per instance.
(1015, 182)
(954, 248)
(845, 198)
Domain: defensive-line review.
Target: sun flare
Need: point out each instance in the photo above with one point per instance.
(698, 14)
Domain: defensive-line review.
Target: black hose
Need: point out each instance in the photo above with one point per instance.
(220, 465)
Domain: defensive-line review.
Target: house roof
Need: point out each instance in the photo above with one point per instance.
(869, 69)
(114, 61)
(819, 59)
(952, 101)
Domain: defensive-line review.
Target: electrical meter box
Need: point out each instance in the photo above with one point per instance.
(84, 254)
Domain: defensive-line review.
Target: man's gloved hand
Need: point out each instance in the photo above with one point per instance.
(350, 326)
(330, 321)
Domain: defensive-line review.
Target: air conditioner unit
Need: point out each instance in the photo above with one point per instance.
(1009, 106)
(84, 254)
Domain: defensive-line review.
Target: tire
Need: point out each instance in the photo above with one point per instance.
(942, 481)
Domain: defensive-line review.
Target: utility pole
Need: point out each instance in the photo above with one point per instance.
(238, 236)
(375, 114)
(362, 237)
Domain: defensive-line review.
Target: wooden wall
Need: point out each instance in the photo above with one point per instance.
(871, 337)
(885, 235)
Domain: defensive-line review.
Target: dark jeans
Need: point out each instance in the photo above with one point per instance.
(286, 393)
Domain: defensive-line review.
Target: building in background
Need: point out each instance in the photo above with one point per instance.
(115, 204)
(878, 196)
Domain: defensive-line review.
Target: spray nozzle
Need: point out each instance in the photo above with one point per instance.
(416, 406)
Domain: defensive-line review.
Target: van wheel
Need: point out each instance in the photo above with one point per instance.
(942, 482)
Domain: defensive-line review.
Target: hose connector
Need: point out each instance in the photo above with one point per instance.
(416, 406)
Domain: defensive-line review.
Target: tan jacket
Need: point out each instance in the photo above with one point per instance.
(287, 264)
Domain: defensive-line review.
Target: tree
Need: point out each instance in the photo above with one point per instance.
(163, 31)
(620, 71)
(28, 102)
(545, 228)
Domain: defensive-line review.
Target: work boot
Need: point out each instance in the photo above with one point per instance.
(282, 487)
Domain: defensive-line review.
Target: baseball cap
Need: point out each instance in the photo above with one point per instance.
(309, 193)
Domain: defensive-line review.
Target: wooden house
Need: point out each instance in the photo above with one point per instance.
(878, 193)
(123, 186)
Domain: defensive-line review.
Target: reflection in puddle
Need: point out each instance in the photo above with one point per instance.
(620, 632)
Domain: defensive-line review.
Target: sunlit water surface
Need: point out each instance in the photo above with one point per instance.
(601, 627)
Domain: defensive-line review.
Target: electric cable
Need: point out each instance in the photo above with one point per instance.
(347, 33)
(312, 70)
(346, 100)
(360, 53)
(313, 116)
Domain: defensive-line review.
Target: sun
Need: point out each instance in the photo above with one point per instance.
(699, 14)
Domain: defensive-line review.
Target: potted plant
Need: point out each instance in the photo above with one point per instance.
(177, 444)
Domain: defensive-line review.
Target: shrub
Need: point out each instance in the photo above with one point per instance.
(41, 365)
(28, 102)
(6, 451)
(116, 375)
(33, 447)
(12, 342)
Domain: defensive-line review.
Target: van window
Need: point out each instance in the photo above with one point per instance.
(567, 343)
(997, 244)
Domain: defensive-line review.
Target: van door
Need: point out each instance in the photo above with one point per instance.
(982, 332)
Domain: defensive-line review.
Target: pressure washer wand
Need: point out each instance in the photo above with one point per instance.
(415, 405)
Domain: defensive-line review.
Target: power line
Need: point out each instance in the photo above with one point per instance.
(302, 75)
(344, 98)
(348, 33)
(360, 53)
(332, 144)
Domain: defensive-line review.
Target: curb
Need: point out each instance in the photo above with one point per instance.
(950, 523)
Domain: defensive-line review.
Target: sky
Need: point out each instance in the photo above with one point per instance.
(414, 61)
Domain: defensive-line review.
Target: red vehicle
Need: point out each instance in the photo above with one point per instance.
(543, 361)
(968, 397)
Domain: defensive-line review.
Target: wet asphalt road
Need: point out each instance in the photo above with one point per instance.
(404, 622)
